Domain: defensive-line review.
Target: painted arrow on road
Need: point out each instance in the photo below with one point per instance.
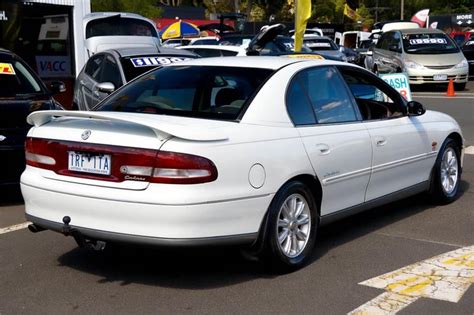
(445, 277)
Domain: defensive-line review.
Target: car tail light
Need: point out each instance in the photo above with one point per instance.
(38, 154)
(180, 168)
(127, 163)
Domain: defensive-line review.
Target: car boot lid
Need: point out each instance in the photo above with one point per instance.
(180, 127)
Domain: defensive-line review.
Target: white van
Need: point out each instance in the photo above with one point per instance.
(351, 39)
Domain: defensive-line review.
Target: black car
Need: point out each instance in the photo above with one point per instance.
(21, 92)
(468, 51)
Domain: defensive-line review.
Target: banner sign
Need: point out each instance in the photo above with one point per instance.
(53, 66)
(400, 82)
(155, 61)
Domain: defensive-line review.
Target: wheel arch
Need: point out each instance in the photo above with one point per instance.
(313, 183)
(456, 137)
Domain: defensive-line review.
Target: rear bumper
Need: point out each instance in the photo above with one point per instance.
(232, 221)
(243, 239)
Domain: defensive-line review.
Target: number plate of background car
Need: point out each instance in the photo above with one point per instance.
(89, 163)
(440, 77)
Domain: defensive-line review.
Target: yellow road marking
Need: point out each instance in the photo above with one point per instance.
(445, 277)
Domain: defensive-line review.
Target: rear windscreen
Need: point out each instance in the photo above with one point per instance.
(190, 91)
(429, 43)
(119, 26)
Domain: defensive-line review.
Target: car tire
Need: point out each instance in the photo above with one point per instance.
(460, 86)
(446, 174)
(291, 228)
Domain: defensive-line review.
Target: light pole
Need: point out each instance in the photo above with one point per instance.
(402, 7)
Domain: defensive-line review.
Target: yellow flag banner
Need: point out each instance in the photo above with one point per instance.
(303, 13)
(349, 12)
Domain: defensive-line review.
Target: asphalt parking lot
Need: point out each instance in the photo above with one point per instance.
(45, 273)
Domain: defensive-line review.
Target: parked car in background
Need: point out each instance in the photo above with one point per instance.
(309, 31)
(461, 37)
(428, 56)
(108, 70)
(21, 93)
(468, 51)
(215, 50)
(110, 30)
(239, 157)
(176, 42)
(324, 46)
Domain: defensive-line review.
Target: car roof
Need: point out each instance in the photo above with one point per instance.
(259, 62)
(6, 53)
(144, 51)
(313, 36)
(99, 15)
(214, 47)
(421, 31)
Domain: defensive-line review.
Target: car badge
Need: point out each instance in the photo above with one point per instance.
(86, 134)
(2, 138)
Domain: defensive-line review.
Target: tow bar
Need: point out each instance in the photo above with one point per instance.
(81, 241)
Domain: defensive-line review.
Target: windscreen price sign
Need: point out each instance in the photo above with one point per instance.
(399, 81)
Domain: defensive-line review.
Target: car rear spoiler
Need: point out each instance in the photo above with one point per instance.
(159, 126)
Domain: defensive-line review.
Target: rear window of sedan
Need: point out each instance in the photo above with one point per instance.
(190, 91)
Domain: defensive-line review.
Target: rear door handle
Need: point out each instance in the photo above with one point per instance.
(82, 82)
(380, 141)
(323, 149)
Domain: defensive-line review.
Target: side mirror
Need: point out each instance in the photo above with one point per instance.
(415, 108)
(370, 53)
(57, 87)
(394, 48)
(106, 87)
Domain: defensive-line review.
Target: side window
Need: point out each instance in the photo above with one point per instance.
(374, 98)
(330, 99)
(93, 66)
(228, 53)
(111, 72)
(298, 105)
(384, 41)
(203, 52)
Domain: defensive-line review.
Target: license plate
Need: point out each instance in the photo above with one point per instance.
(89, 162)
(440, 77)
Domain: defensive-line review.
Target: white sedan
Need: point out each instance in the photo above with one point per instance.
(240, 150)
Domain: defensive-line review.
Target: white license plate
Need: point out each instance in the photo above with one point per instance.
(440, 77)
(89, 163)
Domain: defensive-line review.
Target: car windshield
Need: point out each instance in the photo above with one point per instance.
(138, 65)
(320, 44)
(16, 80)
(190, 91)
(119, 26)
(429, 43)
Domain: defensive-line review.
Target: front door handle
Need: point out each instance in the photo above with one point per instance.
(96, 93)
(323, 149)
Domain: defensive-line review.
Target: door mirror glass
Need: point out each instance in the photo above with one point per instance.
(57, 87)
(106, 87)
(415, 108)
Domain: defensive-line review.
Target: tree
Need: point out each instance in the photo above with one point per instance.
(146, 8)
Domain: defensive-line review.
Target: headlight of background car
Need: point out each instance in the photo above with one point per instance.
(462, 64)
(344, 58)
(351, 58)
(413, 65)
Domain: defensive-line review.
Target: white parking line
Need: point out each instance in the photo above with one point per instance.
(15, 227)
(444, 96)
(445, 277)
(469, 150)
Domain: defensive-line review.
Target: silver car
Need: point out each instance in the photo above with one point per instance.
(426, 55)
(108, 70)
